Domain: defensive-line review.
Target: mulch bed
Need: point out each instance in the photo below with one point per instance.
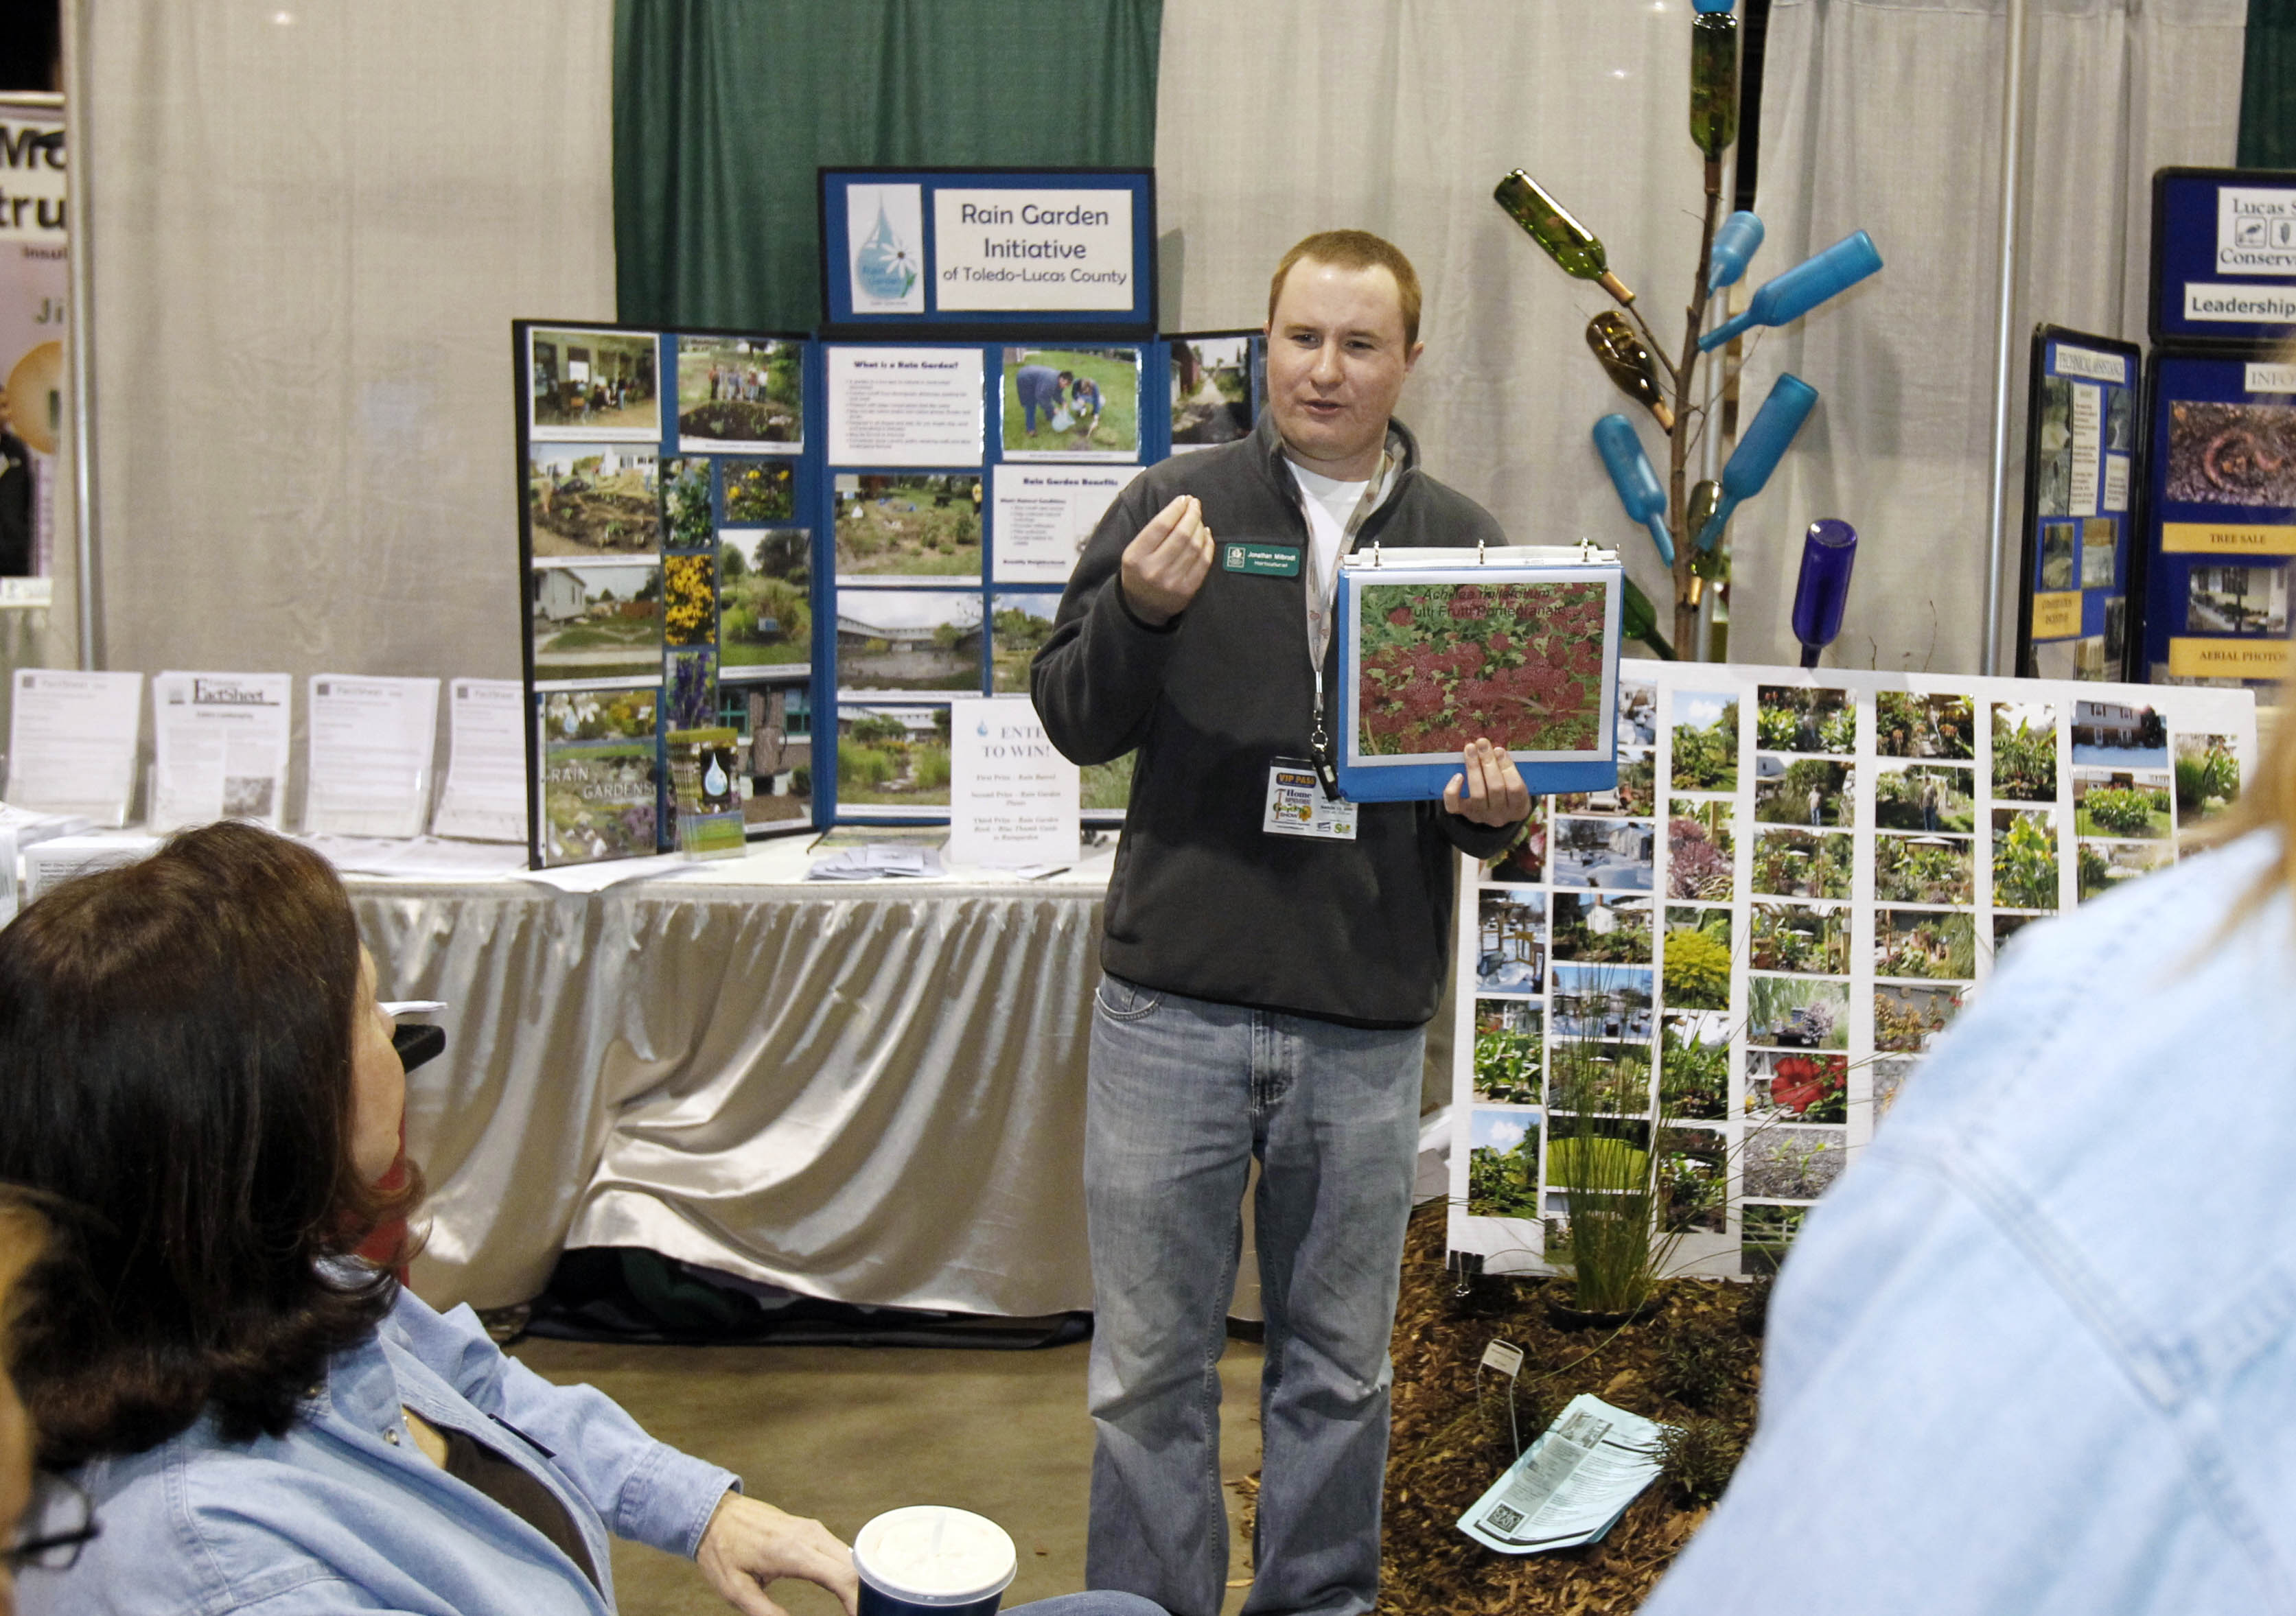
(1449, 1445)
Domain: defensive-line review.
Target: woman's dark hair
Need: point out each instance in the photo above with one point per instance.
(175, 1060)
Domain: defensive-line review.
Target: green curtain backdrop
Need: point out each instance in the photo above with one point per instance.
(2267, 86)
(723, 109)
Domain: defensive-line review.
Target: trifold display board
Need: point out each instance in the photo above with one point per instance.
(1736, 958)
(815, 545)
(2080, 452)
(2220, 482)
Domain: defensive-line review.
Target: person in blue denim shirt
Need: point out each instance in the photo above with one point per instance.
(2036, 1353)
(197, 1071)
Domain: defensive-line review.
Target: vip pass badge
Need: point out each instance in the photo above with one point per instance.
(1298, 805)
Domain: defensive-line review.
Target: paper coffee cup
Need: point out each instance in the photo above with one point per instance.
(929, 1560)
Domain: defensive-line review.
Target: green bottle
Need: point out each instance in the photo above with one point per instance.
(1629, 363)
(1713, 81)
(1571, 244)
(1638, 620)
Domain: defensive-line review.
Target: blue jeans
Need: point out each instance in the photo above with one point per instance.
(1183, 1093)
(1089, 1604)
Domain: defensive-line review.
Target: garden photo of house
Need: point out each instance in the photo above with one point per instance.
(892, 756)
(1601, 928)
(588, 500)
(1211, 390)
(1525, 857)
(1700, 843)
(2120, 803)
(1705, 742)
(909, 525)
(1790, 718)
(599, 622)
(1019, 625)
(733, 392)
(1803, 792)
(765, 610)
(1616, 854)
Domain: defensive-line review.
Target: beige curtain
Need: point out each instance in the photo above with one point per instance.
(313, 221)
(1398, 116)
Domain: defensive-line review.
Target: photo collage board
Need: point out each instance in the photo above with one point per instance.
(2081, 452)
(782, 537)
(1738, 958)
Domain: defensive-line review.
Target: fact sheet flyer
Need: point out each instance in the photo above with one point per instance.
(1737, 958)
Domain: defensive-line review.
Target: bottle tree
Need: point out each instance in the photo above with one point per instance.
(1687, 530)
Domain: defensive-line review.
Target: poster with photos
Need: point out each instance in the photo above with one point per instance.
(2080, 446)
(1730, 967)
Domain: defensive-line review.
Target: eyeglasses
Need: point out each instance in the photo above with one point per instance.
(62, 1504)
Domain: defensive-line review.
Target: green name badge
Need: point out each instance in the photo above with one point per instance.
(1268, 561)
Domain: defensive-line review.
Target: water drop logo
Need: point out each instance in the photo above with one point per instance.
(885, 268)
(982, 728)
(713, 779)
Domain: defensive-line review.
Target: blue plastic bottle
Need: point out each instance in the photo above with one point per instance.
(1802, 288)
(1631, 475)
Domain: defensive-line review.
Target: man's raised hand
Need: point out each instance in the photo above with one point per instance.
(1166, 563)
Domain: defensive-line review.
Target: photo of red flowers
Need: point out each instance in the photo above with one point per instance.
(1444, 664)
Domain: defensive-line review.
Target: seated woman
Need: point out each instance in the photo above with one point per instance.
(194, 1054)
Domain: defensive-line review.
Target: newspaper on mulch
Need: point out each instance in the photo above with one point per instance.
(1571, 1485)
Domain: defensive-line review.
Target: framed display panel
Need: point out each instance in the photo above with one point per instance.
(1517, 646)
(2223, 256)
(663, 477)
(2219, 517)
(981, 252)
(2081, 438)
(1732, 964)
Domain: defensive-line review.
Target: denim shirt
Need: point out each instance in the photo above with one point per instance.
(2037, 1352)
(343, 1512)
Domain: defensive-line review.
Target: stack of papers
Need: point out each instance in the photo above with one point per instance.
(29, 825)
(874, 862)
(1572, 1485)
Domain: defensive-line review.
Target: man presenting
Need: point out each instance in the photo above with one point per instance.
(1268, 982)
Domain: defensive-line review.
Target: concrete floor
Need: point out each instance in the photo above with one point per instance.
(843, 1433)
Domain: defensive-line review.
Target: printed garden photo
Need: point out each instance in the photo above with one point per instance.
(1697, 975)
(689, 689)
(758, 490)
(595, 384)
(1924, 943)
(1694, 1067)
(2024, 859)
(1211, 390)
(2102, 866)
(1603, 929)
(596, 622)
(1798, 1012)
(1511, 940)
(598, 775)
(1503, 1164)
(765, 612)
(686, 523)
(1790, 718)
(1923, 726)
(909, 525)
(2208, 777)
(1441, 664)
(1631, 798)
(892, 756)
(1510, 1067)
(1609, 853)
(1793, 1163)
(1797, 937)
(2025, 751)
(1609, 1078)
(736, 392)
(689, 599)
(1699, 841)
(1693, 1178)
(1924, 870)
(1019, 625)
(1638, 714)
(1908, 1020)
(1802, 863)
(1106, 790)
(2057, 555)
(1705, 742)
(2120, 803)
(1079, 404)
(1803, 792)
(1924, 797)
(908, 640)
(1601, 1004)
(2237, 600)
(1806, 1087)
(586, 499)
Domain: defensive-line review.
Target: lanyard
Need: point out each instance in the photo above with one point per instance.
(1319, 744)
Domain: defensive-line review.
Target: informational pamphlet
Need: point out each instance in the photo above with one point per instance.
(905, 407)
(600, 776)
(485, 798)
(1013, 797)
(1045, 513)
(219, 747)
(72, 742)
(1571, 1485)
(372, 743)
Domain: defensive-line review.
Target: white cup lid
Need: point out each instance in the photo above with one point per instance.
(930, 1554)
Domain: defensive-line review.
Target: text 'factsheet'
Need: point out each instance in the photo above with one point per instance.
(1044, 514)
(72, 742)
(372, 745)
(484, 796)
(1013, 797)
(905, 407)
(219, 747)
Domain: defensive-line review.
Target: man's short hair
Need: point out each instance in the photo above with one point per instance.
(1354, 250)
